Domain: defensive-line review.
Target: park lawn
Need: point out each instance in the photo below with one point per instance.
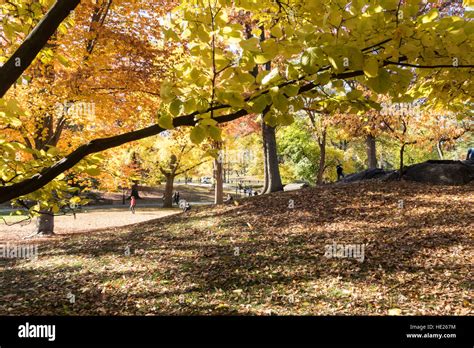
(262, 257)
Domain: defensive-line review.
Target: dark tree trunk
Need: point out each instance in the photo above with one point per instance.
(371, 152)
(45, 224)
(169, 175)
(271, 171)
(272, 180)
(134, 192)
(322, 158)
(265, 166)
(219, 189)
(218, 174)
(402, 151)
(168, 200)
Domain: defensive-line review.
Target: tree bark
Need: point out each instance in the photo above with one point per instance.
(219, 190)
(402, 151)
(322, 158)
(265, 166)
(272, 178)
(271, 171)
(169, 174)
(371, 152)
(36, 40)
(168, 201)
(134, 192)
(439, 150)
(218, 177)
(45, 223)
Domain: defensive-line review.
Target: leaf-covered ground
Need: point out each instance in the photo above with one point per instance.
(418, 259)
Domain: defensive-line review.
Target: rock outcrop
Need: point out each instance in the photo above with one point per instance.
(433, 172)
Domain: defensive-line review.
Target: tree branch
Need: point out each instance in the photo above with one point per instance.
(388, 62)
(29, 49)
(192, 167)
(48, 174)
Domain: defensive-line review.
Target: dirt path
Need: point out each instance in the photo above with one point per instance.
(85, 222)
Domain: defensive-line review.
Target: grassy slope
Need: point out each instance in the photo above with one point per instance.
(417, 259)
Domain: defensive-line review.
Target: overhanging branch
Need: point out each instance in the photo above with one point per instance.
(48, 174)
(29, 49)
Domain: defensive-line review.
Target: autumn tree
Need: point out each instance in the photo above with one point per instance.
(319, 124)
(65, 97)
(169, 156)
(383, 45)
(409, 125)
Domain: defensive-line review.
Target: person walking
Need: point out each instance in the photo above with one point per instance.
(470, 154)
(340, 172)
(133, 203)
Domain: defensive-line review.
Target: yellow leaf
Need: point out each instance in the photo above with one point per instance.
(197, 134)
(165, 122)
(371, 67)
(250, 44)
(261, 59)
(394, 311)
(175, 107)
(215, 133)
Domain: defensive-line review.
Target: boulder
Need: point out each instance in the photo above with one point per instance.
(367, 174)
(390, 175)
(434, 172)
(295, 186)
(441, 172)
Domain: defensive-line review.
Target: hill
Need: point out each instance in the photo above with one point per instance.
(265, 255)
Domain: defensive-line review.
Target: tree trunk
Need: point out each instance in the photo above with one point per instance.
(272, 180)
(322, 158)
(134, 192)
(45, 223)
(265, 166)
(371, 152)
(439, 150)
(402, 150)
(168, 201)
(218, 177)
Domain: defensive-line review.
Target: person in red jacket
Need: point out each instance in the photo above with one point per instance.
(133, 203)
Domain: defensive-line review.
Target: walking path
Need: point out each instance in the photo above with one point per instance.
(94, 219)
